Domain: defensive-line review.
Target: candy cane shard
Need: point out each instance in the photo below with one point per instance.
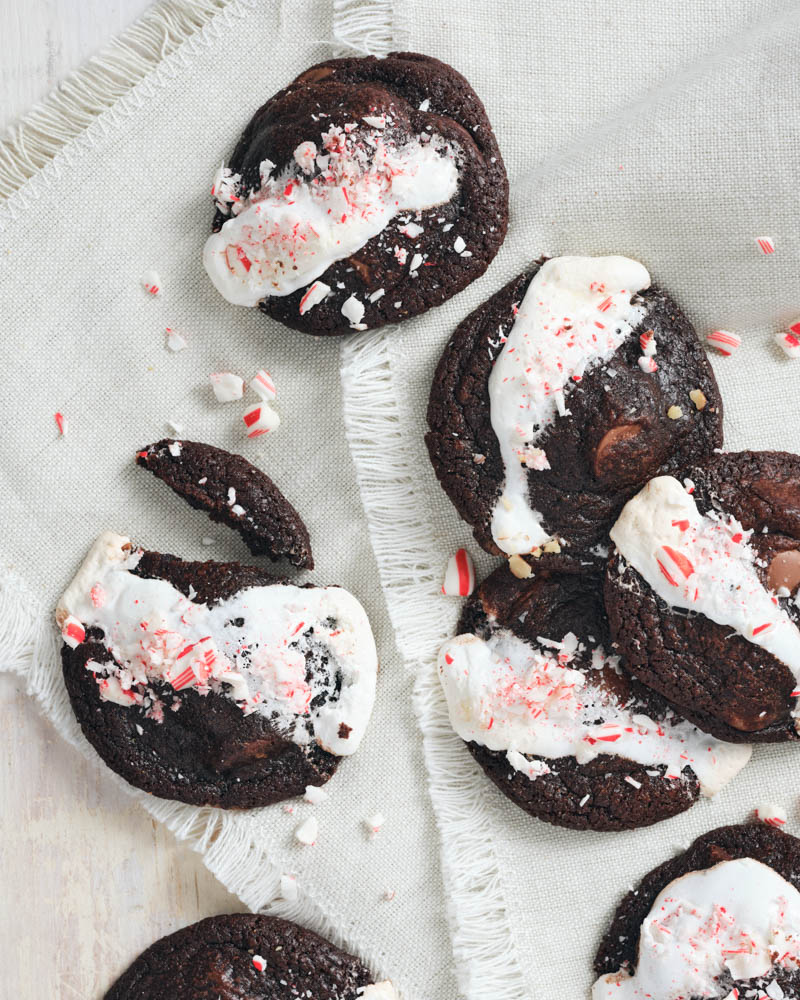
(227, 386)
(724, 341)
(260, 419)
(459, 577)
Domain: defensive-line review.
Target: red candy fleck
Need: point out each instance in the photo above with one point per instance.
(680, 560)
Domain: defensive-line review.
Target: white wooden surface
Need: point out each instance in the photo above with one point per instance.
(87, 880)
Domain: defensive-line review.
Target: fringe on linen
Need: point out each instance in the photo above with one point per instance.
(75, 104)
(487, 963)
(369, 27)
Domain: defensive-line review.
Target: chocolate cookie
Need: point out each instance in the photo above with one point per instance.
(702, 593)
(554, 720)
(246, 956)
(721, 917)
(233, 492)
(557, 399)
(365, 192)
(213, 683)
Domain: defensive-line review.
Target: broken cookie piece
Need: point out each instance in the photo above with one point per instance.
(232, 490)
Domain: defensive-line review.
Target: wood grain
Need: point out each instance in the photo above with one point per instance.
(87, 878)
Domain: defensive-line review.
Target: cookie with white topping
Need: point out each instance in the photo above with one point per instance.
(234, 492)
(702, 593)
(247, 956)
(722, 919)
(214, 683)
(543, 419)
(535, 689)
(365, 192)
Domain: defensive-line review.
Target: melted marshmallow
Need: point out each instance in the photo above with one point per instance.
(574, 315)
(726, 921)
(251, 647)
(507, 694)
(703, 563)
(289, 231)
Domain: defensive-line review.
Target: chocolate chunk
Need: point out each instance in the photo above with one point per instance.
(233, 491)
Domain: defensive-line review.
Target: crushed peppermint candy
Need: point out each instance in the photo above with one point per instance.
(378, 294)
(459, 577)
(765, 244)
(227, 386)
(175, 341)
(771, 814)
(259, 963)
(315, 294)
(314, 794)
(374, 823)
(412, 230)
(648, 364)
(175, 448)
(262, 385)
(353, 312)
(151, 283)
(260, 419)
(459, 246)
(789, 342)
(61, 423)
(724, 341)
(307, 832)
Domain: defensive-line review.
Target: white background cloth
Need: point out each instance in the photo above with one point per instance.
(670, 136)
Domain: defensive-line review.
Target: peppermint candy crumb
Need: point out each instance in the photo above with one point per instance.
(307, 832)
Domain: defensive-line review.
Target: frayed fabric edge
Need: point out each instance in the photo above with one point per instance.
(486, 959)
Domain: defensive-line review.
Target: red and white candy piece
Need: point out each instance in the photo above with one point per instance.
(260, 419)
(789, 342)
(771, 814)
(765, 244)
(353, 312)
(261, 383)
(724, 341)
(175, 340)
(647, 342)
(648, 364)
(315, 294)
(259, 962)
(151, 283)
(374, 823)
(61, 423)
(226, 386)
(72, 632)
(459, 577)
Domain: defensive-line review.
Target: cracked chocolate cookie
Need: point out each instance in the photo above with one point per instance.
(213, 683)
(702, 593)
(720, 920)
(234, 492)
(246, 956)
(365, 192)
(557, 399)
(551, 716)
